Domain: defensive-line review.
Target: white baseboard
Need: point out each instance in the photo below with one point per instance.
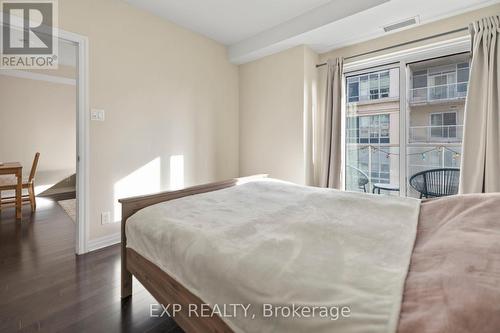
(101, 242)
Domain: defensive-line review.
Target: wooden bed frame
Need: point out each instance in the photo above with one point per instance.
(164, 288)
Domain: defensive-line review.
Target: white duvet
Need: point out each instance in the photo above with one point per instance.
(270, 243)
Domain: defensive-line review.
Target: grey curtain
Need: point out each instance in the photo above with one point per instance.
(480, 170)
(331, 157)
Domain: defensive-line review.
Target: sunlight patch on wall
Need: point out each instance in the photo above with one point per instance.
(145, 180)
(176, 172)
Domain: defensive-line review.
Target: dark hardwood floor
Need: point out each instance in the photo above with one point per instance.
(44, 287)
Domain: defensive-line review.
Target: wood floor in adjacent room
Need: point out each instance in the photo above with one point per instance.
(44, 287)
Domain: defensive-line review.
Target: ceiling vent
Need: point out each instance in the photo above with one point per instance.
(401, 24)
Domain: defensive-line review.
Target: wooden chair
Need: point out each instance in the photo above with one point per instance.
(9, 183)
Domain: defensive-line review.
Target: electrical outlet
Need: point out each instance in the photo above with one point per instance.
(105, 217)
(97, 114)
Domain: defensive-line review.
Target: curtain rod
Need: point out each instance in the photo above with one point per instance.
(401, 44)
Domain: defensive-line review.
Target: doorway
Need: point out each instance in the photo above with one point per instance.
(62, 171)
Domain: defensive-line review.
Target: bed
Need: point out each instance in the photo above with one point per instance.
(397, 265)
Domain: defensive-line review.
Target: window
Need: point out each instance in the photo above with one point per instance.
(443, 125)
(384, 84)
(462, 78)
(420, 79)
(368, 87)
(439, 82)
(372, 147)
(374, 85)
(431, 117)
(369, 129)
(436, 120)
(353, 87)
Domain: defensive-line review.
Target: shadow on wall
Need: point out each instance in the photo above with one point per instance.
(51, 183)
(147, 180)
(68, 184)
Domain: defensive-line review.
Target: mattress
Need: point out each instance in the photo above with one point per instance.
(270, 244)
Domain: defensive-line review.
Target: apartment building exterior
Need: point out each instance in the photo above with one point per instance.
(435, 100)
(372, 125)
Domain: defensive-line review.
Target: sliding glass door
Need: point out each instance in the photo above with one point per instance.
(391, 136)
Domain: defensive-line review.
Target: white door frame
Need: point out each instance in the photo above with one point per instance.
(82, 135)
(82, 139)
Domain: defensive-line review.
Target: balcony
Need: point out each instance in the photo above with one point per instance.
(421, 157)
(438, 93)
(436, 134)
(370, 164)
(367, 165)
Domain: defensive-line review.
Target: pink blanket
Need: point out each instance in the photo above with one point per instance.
(454, 280)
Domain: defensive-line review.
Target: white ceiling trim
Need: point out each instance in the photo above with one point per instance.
(318, 17)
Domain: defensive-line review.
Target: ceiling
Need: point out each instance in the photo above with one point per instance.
(255, 28)
(228, 21)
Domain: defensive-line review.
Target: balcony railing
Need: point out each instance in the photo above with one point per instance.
(442, 92)
(430, 134)
(426, 157)
(368, 164)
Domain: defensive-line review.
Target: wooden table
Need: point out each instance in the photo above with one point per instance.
(15, 168)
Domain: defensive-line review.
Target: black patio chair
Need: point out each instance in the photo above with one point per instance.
(356, 177)
(436, 182)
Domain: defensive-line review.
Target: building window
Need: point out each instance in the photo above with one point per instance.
(430, 117)
(384, 84)
(462, 78)
(444, 82)
(353, 93)
(435, 127)
(444, 125)
(369, 129)
(368, 87)
(368, 137)
(372, 148)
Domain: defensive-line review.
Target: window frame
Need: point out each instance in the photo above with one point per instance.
(400, 59)
(442, 113)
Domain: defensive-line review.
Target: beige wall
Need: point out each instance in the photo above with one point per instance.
(310, 108)
(274, 126)
(166, 92)
(275, 93)
(38, 116)
(170, 92)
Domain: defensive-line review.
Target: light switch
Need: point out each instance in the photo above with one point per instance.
(97, 114)
(105, 217)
